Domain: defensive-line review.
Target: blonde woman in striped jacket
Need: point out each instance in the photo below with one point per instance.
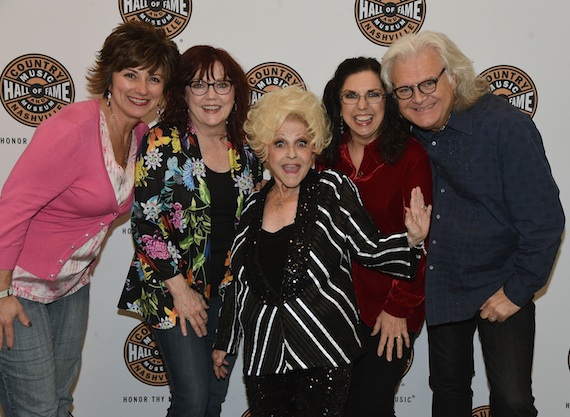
(291, 296)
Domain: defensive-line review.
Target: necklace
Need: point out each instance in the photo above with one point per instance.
(281, 200)
(126, 148)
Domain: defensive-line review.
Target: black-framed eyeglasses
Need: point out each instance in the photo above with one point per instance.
(372, 97)
(426, 87)
(200, 87)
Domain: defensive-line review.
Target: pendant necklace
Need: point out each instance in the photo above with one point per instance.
(281, 200)
(127, 147)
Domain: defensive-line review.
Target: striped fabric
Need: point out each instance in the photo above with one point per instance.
(312, 323)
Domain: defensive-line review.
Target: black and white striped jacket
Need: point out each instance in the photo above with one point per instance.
(313, 323)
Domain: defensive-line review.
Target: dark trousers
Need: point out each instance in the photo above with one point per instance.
(375, 380)
(316, 392)
(507, 352)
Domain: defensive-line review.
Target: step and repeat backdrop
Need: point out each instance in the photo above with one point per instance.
(520, 46)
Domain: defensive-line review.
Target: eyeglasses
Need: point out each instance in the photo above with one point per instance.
(372, 97)
(200, 87)
(426, 87)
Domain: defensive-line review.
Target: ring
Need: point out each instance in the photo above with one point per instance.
(397, 337)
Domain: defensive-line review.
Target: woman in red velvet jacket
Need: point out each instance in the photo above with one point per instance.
(371, 145)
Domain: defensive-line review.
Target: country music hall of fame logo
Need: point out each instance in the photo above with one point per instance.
(170, 15)
(514, 85)
(270, 76)
(35, 87)
(384, 22)
(142, 357)
(484, 411)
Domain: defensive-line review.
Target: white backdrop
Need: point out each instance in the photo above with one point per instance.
(312, 38)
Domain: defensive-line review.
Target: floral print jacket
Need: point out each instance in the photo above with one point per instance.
(170, 220)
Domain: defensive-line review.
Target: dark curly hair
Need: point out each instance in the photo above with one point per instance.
(393, 130)
(195, 63)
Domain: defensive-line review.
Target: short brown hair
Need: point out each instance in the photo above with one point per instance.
(131, 45)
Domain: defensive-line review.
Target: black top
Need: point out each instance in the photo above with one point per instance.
(272, 253)
(223, 196)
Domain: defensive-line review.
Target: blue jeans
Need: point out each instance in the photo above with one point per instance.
(507, 352)
(194, 389)
(37, 375)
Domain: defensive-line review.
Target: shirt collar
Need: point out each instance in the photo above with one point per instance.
(460, 122)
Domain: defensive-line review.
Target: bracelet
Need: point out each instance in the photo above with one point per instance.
(8, 292)
(421, 246)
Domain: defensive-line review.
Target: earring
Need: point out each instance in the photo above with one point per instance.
(235, 107)
(159, 110)
(341, 125)
(108, 98)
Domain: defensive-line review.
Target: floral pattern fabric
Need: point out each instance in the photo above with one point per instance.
(170, 220)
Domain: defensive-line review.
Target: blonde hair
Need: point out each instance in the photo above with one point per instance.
(470, 88)
(269, 113)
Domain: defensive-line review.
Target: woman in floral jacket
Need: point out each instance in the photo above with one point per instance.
(192, 177)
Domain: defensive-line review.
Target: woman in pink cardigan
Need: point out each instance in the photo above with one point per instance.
(73, 180)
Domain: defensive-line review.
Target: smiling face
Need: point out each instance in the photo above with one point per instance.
(290, 157)
(211, 110)
(427, 111)
(363, 119)
(135, 92)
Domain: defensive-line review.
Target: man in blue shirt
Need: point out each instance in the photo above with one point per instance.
(496, 226)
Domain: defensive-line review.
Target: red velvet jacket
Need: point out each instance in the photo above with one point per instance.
(385, 189)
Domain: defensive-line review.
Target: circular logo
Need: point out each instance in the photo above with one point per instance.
(270, 76)
(385, 22)
(35, 87)
(171, 15)
(484, 411)
(514, 85)
(142, 357)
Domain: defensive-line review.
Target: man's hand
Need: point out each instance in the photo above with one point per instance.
(498, 307)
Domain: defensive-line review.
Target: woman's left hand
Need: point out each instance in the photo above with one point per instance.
(417, 218)
(393, 335)
(220, 363)
(189, 305)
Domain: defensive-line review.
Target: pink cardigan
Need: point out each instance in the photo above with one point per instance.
(59, 193)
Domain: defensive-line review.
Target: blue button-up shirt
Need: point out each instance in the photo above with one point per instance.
(497, 217)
